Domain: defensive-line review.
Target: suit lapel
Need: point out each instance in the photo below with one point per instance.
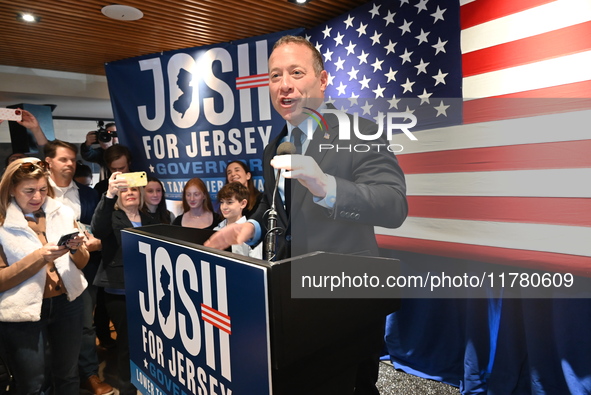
(321, 136)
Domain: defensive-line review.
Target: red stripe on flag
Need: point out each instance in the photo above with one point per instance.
(216, 318)
(539, 260)
(482, 11)
(561, 93)
(541, 210)
(214, 323)
(251, 85)
(549, 45)
(219, 322)
(252, 77)
(497, 108)
(557, 155)
(214, 311)
(252, 81)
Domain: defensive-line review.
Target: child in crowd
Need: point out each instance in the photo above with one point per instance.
(233, 199)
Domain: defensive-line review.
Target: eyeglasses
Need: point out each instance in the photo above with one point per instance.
(29, 167)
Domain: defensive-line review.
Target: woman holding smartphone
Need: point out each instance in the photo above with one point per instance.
(119, 208)
(40, 282)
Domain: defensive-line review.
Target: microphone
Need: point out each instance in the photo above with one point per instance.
(285, 148)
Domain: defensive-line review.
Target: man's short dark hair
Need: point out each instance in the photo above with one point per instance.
(316, 55)
(82, 170)
(51, 147)
(233, 190)
(115, 152)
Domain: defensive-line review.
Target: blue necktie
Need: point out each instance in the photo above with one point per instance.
(297, 135)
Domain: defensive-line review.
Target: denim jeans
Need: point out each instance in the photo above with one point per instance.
(50, 345)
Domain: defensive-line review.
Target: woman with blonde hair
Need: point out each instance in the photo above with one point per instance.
(119, 208)
(40, 281)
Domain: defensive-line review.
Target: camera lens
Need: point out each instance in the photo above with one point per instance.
(104, 136)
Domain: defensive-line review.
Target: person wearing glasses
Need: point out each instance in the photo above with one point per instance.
(40, 282)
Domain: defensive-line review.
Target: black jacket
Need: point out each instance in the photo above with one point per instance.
(107, 224)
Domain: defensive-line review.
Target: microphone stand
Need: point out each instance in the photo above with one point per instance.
(272, 230)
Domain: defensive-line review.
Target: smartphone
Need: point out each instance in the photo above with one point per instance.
(11, 114)
(67, 236)
(137, 179)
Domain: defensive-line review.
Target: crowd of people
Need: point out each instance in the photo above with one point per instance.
(56, 301)
(338, 200)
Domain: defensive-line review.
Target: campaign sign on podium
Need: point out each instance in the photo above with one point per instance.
(198, 320)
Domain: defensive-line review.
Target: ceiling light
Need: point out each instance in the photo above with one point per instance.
(299, 1)
(122, 12)
(28, 17)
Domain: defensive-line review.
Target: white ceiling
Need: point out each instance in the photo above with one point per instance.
(77, 96)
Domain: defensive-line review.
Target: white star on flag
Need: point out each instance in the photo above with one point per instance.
(478, 177)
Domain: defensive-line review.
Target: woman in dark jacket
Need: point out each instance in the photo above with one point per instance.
(118, 209)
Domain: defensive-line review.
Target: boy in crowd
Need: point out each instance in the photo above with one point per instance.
(233, 198)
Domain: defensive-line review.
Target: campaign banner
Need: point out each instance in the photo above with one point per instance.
(198, 321)
(189, 112)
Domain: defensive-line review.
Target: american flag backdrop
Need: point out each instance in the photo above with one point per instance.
(501, 170)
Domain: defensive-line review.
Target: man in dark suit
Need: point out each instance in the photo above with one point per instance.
(340, 195)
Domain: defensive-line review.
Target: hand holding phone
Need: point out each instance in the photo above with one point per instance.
(67, 236)
(137, 179)
(11, 114)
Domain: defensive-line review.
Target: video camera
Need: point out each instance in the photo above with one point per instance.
(103, 135)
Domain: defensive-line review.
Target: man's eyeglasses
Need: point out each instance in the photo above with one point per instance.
(29, 167)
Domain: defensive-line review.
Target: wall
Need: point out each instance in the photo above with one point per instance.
(73, 131)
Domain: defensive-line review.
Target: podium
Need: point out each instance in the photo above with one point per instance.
(204, 321)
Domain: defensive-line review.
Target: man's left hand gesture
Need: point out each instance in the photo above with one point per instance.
(305, 170)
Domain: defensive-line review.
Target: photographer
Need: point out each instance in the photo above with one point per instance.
(105, 136)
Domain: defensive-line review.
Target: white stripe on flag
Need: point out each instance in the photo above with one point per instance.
(535, 237)
(543, 74)
(532, 130)
(541, 183)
